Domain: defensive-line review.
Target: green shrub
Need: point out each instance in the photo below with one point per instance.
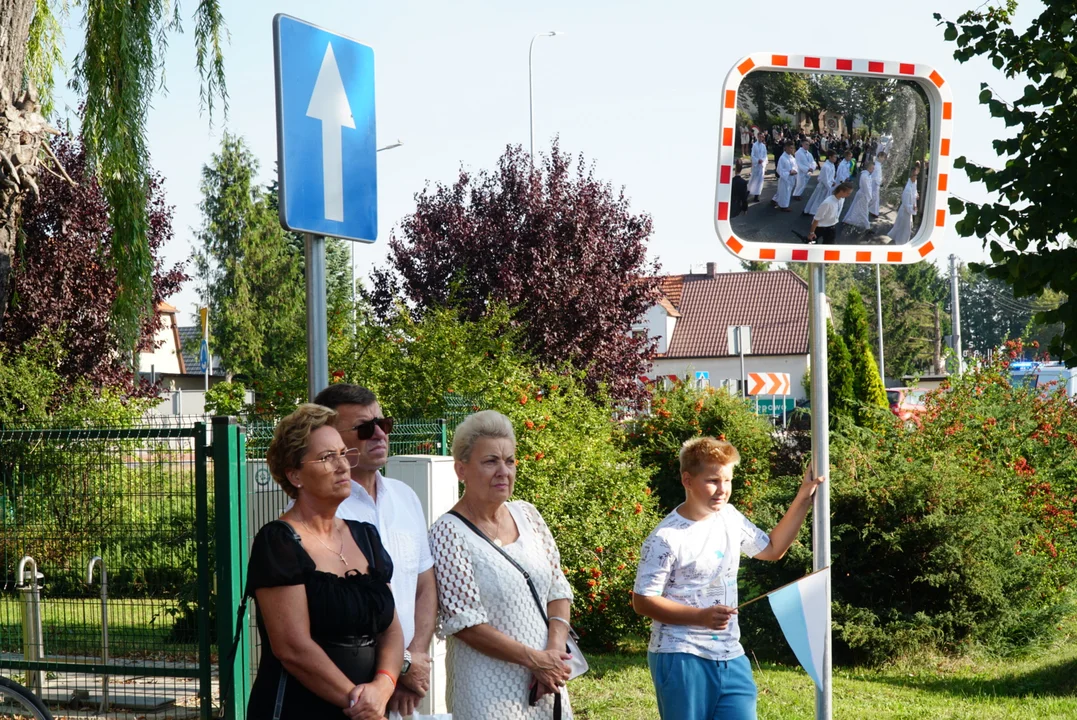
(226, 398)
(955, 533)
(683, 412)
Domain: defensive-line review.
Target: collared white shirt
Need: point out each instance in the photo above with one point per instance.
(828, 213)
(398, 516)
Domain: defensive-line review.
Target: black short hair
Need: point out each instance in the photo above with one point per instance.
(345, 394)
(844, 187)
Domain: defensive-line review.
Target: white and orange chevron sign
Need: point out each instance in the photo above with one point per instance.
(768, 384)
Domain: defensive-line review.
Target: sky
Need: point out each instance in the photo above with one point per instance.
(634, 86)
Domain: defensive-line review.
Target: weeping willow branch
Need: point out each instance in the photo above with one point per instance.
(44, 50)
(118, 71)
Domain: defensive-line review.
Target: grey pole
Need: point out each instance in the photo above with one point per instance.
(740, 350)
(820, 453)
(317, 316)
(879, 320)
(955, 314)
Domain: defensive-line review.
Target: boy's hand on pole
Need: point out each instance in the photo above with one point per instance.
(810, 484)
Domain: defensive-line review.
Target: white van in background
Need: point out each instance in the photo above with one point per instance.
(1048, 377)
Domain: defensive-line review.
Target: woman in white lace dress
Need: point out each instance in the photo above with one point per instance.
(504, 662)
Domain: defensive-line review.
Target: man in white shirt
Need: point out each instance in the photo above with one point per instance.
(825, 224)
(394, 509)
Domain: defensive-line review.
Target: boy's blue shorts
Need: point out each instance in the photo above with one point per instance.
(692, 688)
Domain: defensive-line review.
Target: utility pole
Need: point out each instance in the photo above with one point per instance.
(955, 315)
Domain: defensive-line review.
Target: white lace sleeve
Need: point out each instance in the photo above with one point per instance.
(460, 602)
(559, 587)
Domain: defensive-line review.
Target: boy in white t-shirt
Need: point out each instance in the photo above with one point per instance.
(687, 584)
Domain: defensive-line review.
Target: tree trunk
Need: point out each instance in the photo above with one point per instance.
(22, 129)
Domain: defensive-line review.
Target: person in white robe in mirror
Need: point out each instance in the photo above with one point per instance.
(825, 185)
(845, 167)
(901, 233)
(787, 178)
(759, 167)
(805, 164)
(877, 175)
(858, 213)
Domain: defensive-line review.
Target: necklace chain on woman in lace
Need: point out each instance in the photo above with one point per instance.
(338, 553)
(496, 536)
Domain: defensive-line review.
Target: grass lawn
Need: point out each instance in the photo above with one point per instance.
(1039, 687)
(138, 628)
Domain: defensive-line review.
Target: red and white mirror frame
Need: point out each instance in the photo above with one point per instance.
(934, 200)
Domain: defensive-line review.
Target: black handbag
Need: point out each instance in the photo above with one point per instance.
(571, 647)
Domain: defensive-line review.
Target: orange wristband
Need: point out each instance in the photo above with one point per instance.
(389, 675)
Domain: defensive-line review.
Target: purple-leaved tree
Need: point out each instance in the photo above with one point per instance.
(63, 281)
(559, 246)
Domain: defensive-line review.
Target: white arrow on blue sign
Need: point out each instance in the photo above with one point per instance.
(326, 140)
(203, 356)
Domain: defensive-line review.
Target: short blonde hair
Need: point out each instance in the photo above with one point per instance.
(700, 451)
(291, 438)
(484, 424)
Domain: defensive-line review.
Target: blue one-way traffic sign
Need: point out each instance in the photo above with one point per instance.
(326, 140)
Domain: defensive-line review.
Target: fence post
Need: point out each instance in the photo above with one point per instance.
(444, 436)
(201, 482)
(230, 535)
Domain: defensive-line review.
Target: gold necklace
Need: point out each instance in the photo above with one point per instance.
(496, 538)
(338, 553)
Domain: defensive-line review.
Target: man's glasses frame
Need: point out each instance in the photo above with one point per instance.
(365, 429)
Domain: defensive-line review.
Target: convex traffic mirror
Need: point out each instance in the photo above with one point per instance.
(832, 160)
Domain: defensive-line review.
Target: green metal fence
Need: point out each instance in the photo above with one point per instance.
(131, 505)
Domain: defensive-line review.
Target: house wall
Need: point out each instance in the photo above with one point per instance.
(724, 368)
(658, 324)
(163, 358)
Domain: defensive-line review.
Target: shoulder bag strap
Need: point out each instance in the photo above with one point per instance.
(530, 585)
(241, 613)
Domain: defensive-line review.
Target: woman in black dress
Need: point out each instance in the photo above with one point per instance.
(331, 642)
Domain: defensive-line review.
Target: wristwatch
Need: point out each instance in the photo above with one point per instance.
(407, 663)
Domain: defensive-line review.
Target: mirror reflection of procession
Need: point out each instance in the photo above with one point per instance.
(797, 163)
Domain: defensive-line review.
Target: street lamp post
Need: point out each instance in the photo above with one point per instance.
(397, 144)
(531, 87)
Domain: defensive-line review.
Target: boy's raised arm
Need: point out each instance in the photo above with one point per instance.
(785, 532)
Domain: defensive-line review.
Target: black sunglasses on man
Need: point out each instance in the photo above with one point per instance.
(365, 430)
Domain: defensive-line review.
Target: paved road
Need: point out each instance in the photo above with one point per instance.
(764, 223)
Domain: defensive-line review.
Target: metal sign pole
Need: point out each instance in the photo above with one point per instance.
(820, 446)
(317, 316)
(740, 351)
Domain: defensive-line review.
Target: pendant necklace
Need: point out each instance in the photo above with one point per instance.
(497, 534)
(338, 553)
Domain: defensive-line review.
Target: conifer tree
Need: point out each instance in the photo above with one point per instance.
(867, 385)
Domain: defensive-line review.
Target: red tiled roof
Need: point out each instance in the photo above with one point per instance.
(774, 304)
(670, 286)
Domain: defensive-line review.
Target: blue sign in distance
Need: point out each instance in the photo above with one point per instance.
(203, 356)
(326, 141)
(703, 375)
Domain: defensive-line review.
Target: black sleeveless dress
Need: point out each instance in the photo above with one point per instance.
(353, 605)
